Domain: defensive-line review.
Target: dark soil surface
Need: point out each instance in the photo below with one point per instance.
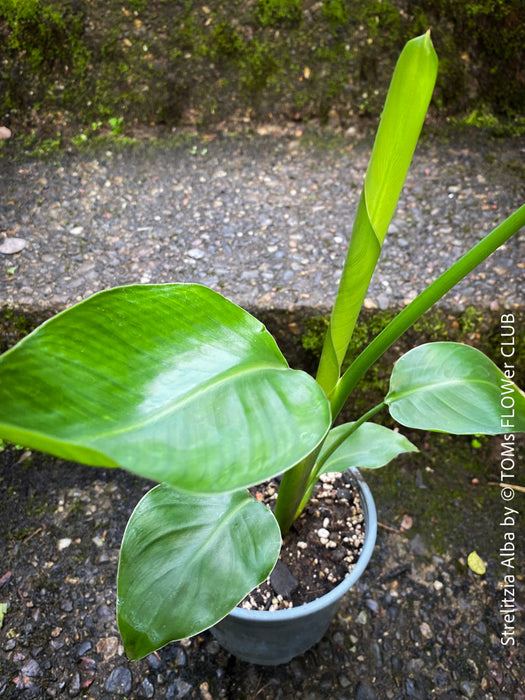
(322, 547)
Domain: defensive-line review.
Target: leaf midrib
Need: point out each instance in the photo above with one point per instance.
(432, 387)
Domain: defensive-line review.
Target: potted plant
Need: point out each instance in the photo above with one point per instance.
(178, 384)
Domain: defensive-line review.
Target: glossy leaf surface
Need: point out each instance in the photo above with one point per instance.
(370, 446)
(401, 122)
(172, 382)
(186, 561)
(456, 389)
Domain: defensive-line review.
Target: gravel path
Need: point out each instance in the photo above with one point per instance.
(264, 220)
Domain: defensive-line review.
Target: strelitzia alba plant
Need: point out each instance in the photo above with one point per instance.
(177, 384)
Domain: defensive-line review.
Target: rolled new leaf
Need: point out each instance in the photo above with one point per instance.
(401, 122)
(454, 388)
(186, 561)
(172, 382)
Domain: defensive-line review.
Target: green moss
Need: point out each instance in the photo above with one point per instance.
(258, 66)
(483, 119)
(336, 12)
(278, 12)
(158, 62)
(449, 481)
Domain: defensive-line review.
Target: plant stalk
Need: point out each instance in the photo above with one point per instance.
(293, 486)
(422, 303)
(346, 434)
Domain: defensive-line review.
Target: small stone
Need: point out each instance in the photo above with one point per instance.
(282, 580)
(213, 647)
(77, 230)
(5, 133)
(64, 543)
(196, 253)
(154, 661)
(147, 688)
(418, 546)
(66, 605)
(180, 657)
(74, 686)
(108, 647)
(468, 688)
(83, 648)
(179, 689)
(438, 585)
(31, 668)
(344, 681)
(383, 302)
(364, 691)
(119, 681)
(12, 245)
(323, 533)
(372, 605)
(362, 618)
(425, 630)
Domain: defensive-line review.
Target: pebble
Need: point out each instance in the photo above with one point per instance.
(74, 685)
(364, 691)
(119, 681)
(362, 618)
(148, 689)
(468, 688)
(418, 546)
(10, 246)
(179, 689)
(282, 580)
(107, 647)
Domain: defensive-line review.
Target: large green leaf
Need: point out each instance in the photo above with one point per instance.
(172, 382)
(455, 389)
(186, 561)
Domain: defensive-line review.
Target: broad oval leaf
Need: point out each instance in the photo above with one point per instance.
(186, 561)
(456, 389)
(370, 446)
(173, 382)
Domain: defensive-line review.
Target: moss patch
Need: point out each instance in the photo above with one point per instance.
(67, 64)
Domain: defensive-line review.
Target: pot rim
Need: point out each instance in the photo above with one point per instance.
(370, 516)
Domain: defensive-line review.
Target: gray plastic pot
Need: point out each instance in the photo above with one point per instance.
(274, 637)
